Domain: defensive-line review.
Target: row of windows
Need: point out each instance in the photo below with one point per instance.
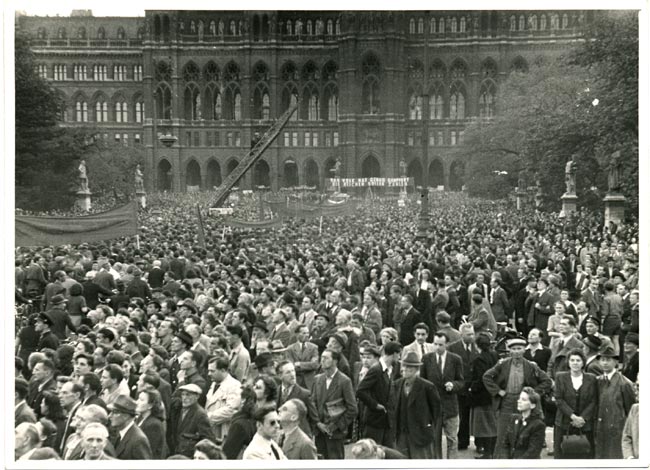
(437, 25)
(82, 33)
(233, 139)
(456, 110)
(517, 23)
(120, 112)
(310, 139)
(79, 72)
(436, 138)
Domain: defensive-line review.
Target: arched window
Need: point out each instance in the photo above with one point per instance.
(487, 97)
(522, 22)
(310, 103)
(310, 31)
(289, 28)
(139, 111)
(192, 27)
(415, 105)
(533, 22)
(554, 21)
(232, 103)
(191, 73)
(412, 26)
(437, 71)
(81, 33)
(432, 26)
(421, 26)
(101, 33)
(519, 65)
(266, 107)
(41, 33)
(565, 21)
(290, 98)
(81, 111)
(338, 27)
(513, 23)
(192, 101)
(458, 71)
(489, 69)
(457, 102)
(120, 33)
(212, 28)
(332, 103)
(101, 110)
(436, 103)
(454, 25)
(330, 27)
(233, 28)
(542, 22)
(211, 72)
(441, 25)
(463, 24)
(163, 99)
(62, 34)
(121, 111)
(261, 102)
(370, 91)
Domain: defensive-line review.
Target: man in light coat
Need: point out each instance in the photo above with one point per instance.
(223, 398)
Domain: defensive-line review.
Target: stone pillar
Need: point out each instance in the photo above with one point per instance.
(520, 198)
(141, 197)
(83, 199)
(614, 208)
(569, 203)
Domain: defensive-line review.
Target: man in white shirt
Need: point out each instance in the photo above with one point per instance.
(224, 396)
(263, 445)
(240, 358)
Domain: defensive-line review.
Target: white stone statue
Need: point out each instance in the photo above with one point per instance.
(83, 176)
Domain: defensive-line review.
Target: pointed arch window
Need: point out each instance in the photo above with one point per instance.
(101, 111)
(457, 102)
(81, 111)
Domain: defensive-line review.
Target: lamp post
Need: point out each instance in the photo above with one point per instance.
(423, 219)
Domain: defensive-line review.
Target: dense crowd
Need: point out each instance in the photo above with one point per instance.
(295, 342)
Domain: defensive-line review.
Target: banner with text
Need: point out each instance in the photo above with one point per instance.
(367, 182)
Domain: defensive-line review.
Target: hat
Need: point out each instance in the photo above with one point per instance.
(57, 299)
(592, 342)
(263, 360)
(632, 338)
(154, 302)
(592, 319)
(192, 388)
(261, 326)
(608, 352)
(123, 404)
(185, 338)
(392, 347)
(411, 359)
(191, 305)
(22, 386)
(516, 342)
(45, 318)
(371, 349)
(322, 315)
(341, 338)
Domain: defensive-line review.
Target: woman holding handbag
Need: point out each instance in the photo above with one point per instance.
(576, 395)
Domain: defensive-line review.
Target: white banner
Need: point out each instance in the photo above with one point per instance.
(366, 182)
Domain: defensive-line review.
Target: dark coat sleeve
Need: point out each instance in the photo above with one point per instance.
(536, 439)
(369, 382)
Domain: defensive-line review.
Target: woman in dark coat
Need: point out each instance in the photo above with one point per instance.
(576, 407)
(242, 428)
(150, 420)
(484, 420)
(52, 410)
(525, 436)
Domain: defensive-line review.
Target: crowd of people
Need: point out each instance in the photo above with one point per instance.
(347, 339)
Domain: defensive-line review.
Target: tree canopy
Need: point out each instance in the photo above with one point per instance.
(584, 103)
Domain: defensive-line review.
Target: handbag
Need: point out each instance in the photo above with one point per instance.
(575, 445)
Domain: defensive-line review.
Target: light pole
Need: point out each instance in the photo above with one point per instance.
(423, 219)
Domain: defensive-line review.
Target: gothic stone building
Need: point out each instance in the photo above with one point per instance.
(373, 88)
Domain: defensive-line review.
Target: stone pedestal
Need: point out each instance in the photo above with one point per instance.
(614, 208)
(539, 199)
(569, 203)
(83, 199)
(520, 199)
(141, 197)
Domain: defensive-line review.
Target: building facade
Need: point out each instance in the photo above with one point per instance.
(374, 88)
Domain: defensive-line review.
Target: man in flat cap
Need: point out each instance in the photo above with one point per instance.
(130, 442)
(60, 317)
(188, 423)
(505, 381)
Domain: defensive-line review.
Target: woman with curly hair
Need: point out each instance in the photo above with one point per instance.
(150, 419)
(242, 427)
(525, 436)
(52, 410)
(266, 391)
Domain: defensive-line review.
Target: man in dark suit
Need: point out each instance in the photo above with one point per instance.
(91, 291)
(70, 397)
(189, 423)
(304, 356)
(561, 347)
(415, 404)
(411, 318)
(374, 392)
(467, 350)
(23, 413)
(444, 369)
(290, 390)
(137, 287)
(104, 278)
(156, 276)
(130, 442)
(499, 302)
(356, 279)
(42, 381)
(593, 298)
(335, 402)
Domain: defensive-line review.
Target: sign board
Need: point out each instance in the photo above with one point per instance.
(221, 211)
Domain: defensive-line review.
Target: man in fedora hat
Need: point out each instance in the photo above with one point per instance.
(417, 414)
(591, 347)
(188, 423)
(42, 326)
(505, 381)
(615, 398)
(130, 442)
(181, 342)
(60, 317)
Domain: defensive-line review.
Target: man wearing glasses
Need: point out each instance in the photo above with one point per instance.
(263, 445)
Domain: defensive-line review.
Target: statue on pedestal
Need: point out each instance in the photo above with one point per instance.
(139, 180)
(337, 168)
(83, 176)
(570, 176)
(521, 182)
(615, 173)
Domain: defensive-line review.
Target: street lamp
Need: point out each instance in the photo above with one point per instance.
(423, 219)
